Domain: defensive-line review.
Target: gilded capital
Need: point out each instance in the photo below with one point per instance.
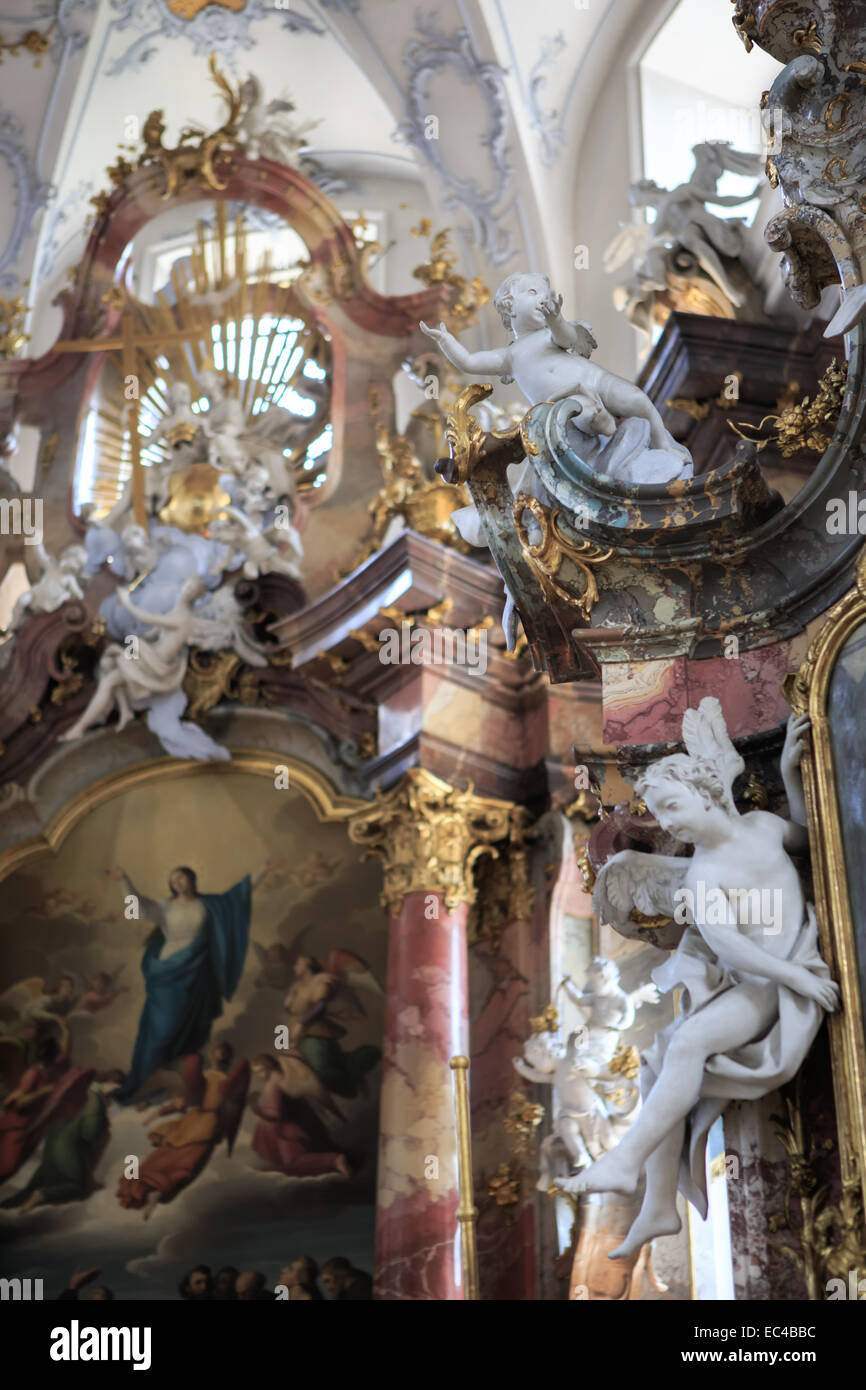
(429, 836)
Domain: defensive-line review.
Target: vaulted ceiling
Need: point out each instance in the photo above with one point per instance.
(516, 123)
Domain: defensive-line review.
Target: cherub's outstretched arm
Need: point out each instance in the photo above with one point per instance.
(495, 362)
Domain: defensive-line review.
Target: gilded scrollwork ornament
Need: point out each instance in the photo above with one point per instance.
(547, 555)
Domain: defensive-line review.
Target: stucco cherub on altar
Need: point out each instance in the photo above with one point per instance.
(620, 432)
(595, 1095)
(755, 988)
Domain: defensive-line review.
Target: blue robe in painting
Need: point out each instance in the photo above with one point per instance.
(185, 993)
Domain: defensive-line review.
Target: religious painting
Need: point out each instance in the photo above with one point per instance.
(831, 689)
(191, 1018)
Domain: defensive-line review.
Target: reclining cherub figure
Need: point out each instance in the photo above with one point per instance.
(755, 988)
(548, 358)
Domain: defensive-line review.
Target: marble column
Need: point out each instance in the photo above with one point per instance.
(429, 837)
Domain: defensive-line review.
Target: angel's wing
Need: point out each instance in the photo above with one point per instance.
(629, 243)
(647, 882)
(232, 1104)
(705, 735)
(352, 970)
(586, 343)
(299, 1082)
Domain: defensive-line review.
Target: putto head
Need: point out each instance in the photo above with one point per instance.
(510, 289)
(681, 791)
(73, 560)
(541, 1051)
(602, 971)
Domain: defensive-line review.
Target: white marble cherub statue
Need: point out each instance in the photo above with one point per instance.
(548, 358)
(755, 988)
(608, 1009)
(58, 581)
(582, 1126)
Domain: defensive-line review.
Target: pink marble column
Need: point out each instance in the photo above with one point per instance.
(426, 1024)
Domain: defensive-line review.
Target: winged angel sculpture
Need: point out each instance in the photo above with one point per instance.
(755, 988)
(685, 235)
(149, 674)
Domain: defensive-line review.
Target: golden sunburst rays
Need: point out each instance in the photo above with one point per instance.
(244, 325)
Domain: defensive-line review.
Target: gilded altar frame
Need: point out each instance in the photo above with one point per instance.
(808, 692)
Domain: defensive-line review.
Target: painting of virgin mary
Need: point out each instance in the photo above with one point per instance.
(192, 963)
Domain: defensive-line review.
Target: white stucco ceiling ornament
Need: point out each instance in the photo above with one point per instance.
(222, 27)
(66, 214)
(31, 194)
(547, 124)
(426, 58)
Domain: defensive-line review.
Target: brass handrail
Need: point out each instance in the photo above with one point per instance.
(467, 1212)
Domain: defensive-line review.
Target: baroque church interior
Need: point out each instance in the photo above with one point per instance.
(432, 631)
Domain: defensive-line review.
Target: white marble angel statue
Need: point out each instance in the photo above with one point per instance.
(58, 581)
(147, 673)
(621, 432)
(682, 222)
(755, 988)
(264, 127)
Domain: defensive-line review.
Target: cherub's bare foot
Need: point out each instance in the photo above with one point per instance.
(646, 1226)
(613, 1173)
(603, 422)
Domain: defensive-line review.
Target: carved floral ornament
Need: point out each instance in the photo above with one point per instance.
(430, 836)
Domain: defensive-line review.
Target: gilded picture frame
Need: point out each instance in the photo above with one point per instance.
(809, 692)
